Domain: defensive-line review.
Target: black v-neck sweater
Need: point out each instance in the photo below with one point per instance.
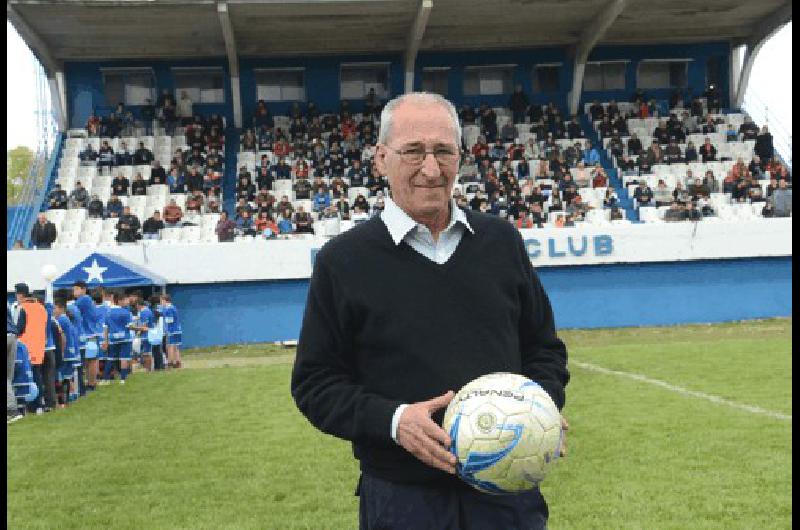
(384, 326)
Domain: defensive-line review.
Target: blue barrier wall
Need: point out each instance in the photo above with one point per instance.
(582, 297)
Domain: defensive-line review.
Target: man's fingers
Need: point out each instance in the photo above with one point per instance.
(440, 402)
(439, 453)
(437, 433)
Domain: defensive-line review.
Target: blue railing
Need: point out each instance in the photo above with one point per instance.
(33, 194)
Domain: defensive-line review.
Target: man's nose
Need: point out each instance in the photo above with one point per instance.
(430, 167)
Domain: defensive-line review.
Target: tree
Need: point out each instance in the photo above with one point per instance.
(18, 162)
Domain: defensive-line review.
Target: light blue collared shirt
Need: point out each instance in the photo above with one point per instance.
(418, 236)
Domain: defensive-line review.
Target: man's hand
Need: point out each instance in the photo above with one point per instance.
(564, 428)
(418, 434)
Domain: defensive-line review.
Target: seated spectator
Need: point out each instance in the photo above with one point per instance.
(708, 152)
(265, 225)
(172, 214)
(574, 129)
(240, 207)
(225, 228)
(244, 224)
(114, 207)
(577, 209)
(581, 175)
(194, 202)
(57, 198)
(710, 182)
(755, 192)
(302, 189)
(643, 194)
(599, 177)
(768, 211)
(303, 221)
(591, 154)
(378, 207)
(675, 213)
(105, 157)
(782, 199)
(342, 207)
(610, 200)
(119, 186)
(211, 180)
(123, 156)
(88, 156)
(194, 180)
(755, 168)
(691, 152)
(281, 148)
(626, 165)
(616, 214)
(138, 186)
(709, 126)
(673, 155)
(680, 193)
(96, 209)
(662, 194)
(79, 196)
(142, 156)
(43, 234)
(692, 213)
(158, 174)
(508, 132)
(699, 189)
(249, 141)
(128, 227)
(152, 226)
(176, 181)
(212, 203)
(285, 225)
(740, 191)
(93, 125)
(196, 159)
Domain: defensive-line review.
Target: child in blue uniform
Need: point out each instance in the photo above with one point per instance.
(173, 331)
(70, 353)
(118, 320)
(89, 333)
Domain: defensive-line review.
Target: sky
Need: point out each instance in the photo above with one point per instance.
(771, 81)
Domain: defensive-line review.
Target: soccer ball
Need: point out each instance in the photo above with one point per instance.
(505, 431)
(49, 272)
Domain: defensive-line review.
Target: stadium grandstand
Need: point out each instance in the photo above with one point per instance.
(226, 141)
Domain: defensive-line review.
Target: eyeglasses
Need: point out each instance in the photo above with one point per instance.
(416, 155)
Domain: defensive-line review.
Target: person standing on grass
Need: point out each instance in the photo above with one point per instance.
(391, 328)
(90, 320)
(145, 322)
(117, 339)
(155, 334)
(173, 331)
(70, 353)
(102, 300)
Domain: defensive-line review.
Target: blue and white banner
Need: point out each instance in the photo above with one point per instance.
(293, 259)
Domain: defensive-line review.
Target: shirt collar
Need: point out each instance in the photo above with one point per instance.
(399, 223)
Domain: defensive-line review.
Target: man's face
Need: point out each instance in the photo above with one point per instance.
(42, 218)
(421, 189)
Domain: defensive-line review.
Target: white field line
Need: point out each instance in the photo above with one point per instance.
(683, 391)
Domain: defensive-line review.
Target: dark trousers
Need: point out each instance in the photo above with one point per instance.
(158, 357)
(386, 505)
(44, 375)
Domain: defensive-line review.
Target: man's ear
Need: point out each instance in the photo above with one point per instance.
(380, 159)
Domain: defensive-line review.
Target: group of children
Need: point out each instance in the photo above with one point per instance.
(95, 335)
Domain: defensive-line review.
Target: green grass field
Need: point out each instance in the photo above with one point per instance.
(221, 445)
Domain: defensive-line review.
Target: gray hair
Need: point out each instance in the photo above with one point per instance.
(416, 97)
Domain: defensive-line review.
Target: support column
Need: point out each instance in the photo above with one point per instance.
(414, 41)
(589, 38)
(233, 62)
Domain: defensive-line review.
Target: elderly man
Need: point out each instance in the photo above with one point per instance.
(43, 234)
(392, 328)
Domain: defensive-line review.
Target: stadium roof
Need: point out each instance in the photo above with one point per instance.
(75, 30)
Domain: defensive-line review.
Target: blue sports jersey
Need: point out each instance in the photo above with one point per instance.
(89, 316)
(70, 334)
(100, 322)
(146, 318)
(77, 323)
(170, 313)
(116, 320)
